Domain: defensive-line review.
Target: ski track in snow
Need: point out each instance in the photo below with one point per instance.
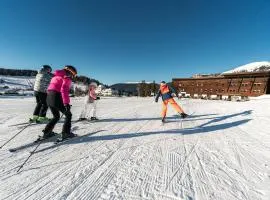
(222, 151)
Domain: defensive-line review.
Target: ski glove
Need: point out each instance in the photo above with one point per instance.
(98, 98)
(67, 107)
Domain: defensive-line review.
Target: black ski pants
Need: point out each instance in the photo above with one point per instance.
(56, 106)
(41, 107)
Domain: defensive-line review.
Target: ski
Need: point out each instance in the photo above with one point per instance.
(39, 139)
(21, 147)
(28, 123)
(189, 115)
(20, 124)
(32, 122)
(60, 140)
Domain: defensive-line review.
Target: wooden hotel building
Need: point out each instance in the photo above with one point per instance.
(225, 85)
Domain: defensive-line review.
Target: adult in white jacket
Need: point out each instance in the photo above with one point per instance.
(89, 110)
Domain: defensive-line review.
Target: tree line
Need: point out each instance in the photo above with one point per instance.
(27, 72)
(147, 89)
(85, 80)
(150, 89)
(17, 72)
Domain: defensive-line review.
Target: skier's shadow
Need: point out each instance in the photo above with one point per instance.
(186, 131)
(78, 139)
(31, 144)
(152, 118)
(90, 138)
(224, 117)
(26, 146)
(201, 129)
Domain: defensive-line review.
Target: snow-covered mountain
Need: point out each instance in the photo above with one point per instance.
(251, 67)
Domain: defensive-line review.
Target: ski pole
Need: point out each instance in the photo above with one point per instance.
(31, 153)
(15, 135)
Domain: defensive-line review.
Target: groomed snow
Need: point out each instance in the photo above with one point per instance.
(222, 152)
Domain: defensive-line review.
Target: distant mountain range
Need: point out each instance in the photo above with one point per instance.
(251, 67)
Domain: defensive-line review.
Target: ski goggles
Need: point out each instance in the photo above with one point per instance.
(72, 72)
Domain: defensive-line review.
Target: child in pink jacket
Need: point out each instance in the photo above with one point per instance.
(90, 103)
(58, 101)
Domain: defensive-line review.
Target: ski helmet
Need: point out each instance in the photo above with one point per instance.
(71, 70)
(93, 84)
(46, 68)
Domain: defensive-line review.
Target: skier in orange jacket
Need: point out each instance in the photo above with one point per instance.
(166, 93)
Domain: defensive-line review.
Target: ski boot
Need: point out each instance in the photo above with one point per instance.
(45, 136)
(183, 115)
(93, 118)
(48, 135)
(163, 120)
(82, 119)
(33, 119)
(42, 120)
(66, 136)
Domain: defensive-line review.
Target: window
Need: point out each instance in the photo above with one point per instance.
(257, 84)
(257, 91)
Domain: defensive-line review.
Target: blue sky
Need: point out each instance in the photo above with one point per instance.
(132, 40)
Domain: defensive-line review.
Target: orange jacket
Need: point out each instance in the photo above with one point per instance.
(165, 92)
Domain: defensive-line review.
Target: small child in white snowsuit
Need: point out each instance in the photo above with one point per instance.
(90, 104)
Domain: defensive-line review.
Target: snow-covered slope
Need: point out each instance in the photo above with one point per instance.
(81, 86)
(16, 83)
(221, 152)
(251, 67)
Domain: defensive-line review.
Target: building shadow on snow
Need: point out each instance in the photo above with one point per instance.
(150, 118)
(204, 128)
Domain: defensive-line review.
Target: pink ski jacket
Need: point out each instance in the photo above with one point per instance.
(61, 83)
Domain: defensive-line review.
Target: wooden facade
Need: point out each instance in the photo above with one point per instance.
(234, 84)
